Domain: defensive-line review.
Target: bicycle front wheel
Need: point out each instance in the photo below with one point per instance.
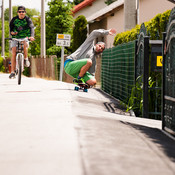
(19, 68)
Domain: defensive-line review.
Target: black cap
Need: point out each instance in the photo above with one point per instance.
(21, 8)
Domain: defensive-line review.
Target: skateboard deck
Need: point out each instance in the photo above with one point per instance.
(82, 86)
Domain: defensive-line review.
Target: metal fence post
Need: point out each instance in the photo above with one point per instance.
(62, 63)
(135, 60)
(145, 78)
(163, 79)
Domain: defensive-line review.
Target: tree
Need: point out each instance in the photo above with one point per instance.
(30, 12)
(58, 20)
(79, 31)
(35, 45)
(76, 2)
(6, 36)
(108, 2)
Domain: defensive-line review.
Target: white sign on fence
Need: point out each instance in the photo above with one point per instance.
(63, 40)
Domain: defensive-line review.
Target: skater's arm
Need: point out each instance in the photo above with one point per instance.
(100, 32)
(90, 39)
(97, 33)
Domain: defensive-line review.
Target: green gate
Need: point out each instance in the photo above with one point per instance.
(168, 112)
(142, 67)
(148, 75)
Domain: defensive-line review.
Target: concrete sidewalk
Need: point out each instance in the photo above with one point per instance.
(48, 128)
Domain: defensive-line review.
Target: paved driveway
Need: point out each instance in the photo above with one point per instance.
(47, 128)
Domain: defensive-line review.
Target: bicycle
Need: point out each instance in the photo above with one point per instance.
(19, 56)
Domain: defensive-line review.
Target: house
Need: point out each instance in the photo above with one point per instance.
(115, 16)
(149, 8)
(110, 17)
(88, 7)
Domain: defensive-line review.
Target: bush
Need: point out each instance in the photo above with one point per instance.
(2, 68)
(79, 31)
(54, 50)
(26, 71)
(155, 27)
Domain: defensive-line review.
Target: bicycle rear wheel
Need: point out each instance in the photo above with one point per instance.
(19, 68)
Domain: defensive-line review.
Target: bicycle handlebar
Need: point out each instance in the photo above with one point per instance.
(18, 39)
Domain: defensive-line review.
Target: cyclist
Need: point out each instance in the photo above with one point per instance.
(82, 63)
(21, 26)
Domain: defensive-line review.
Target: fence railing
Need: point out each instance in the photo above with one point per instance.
(118, 71)
(126, 74)
(122, 65)
(142, 67)
(44, 67)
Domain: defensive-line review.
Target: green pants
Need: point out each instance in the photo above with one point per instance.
(73, 69)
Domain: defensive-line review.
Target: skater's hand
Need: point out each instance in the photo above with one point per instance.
(112, 31)
(31, 38)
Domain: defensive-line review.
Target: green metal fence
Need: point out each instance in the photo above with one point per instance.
(168, 102)
(118, 70)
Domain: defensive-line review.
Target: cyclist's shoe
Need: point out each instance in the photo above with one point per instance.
(78, 81)
(26, 63)
(12, 75)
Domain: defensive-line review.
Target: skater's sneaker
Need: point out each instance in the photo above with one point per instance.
(78, 81)
(26, 62)
(12, 75)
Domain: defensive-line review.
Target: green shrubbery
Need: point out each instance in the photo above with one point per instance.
(79, 32)
(2, 68)
(154, 27)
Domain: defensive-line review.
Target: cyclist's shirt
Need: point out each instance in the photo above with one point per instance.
(24, 27)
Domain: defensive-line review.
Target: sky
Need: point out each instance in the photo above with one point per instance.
(36, 4)
(27, 3)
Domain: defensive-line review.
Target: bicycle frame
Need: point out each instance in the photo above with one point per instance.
(20, 57)
(20, 53)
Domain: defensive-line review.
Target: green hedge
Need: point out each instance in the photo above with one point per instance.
(79, 32)
(155, 27)
(2, 68)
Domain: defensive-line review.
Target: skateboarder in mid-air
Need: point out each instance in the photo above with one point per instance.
(82, 63)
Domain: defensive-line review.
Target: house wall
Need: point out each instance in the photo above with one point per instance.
(148, 9)
(99, 25)
(89, 10)
(117, 22)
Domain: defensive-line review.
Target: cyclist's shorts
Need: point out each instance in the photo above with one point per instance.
(14, 43)
(73, 69)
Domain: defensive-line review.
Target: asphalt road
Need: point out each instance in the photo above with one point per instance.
(47, 128)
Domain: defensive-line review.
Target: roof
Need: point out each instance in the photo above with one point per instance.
(173, 1)
(107, 10)
(82, 5)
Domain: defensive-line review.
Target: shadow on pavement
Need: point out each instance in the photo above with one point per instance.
(165, 143)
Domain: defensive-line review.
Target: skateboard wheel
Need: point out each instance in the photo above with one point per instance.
(76, 88)
(85, 90)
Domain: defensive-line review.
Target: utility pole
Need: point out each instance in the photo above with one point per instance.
(137, 11)
(130, 14)
(3, 33)
(10, 17)
(10, 13)
(43, 32)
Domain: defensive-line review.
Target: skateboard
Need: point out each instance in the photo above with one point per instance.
(82, 86)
